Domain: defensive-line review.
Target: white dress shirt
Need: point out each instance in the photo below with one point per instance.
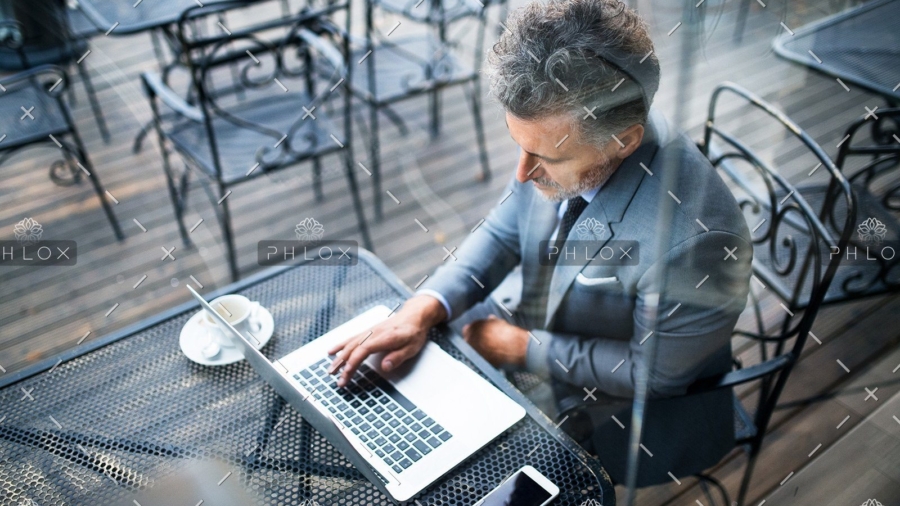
(588, 196)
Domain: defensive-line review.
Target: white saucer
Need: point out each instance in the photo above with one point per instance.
(191, 340)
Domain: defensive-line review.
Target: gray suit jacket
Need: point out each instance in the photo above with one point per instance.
(592, 332)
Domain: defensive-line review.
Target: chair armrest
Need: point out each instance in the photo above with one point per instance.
(58, 74)
(740, 376)
(569, 405)
(326, 49)
(155, 87)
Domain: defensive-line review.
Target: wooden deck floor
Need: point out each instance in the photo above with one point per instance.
(44, 311)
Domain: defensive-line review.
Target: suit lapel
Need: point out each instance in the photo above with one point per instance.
(607, 208)
(542, 219)
(564, 274)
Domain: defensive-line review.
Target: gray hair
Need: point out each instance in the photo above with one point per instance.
(549, 61)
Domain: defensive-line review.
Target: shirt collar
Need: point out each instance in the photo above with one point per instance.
(590, 194)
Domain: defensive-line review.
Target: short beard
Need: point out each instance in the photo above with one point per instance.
(596, 176)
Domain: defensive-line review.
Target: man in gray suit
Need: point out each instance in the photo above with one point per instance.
(620, 273)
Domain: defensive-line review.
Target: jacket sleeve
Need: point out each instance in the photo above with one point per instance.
(485, 257)
(697, 315)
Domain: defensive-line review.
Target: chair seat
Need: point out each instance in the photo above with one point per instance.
(19, 127)
(433, 11)
(239, 145)
(854, 278)
(408, 66)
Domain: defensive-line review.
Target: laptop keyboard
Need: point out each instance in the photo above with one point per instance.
(388, 423)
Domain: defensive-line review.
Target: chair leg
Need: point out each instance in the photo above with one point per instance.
(363, 129)
(745, 481)
(81, 154)
(137, 145)
(434, 100)
(357, 203)
(375, 160)
(95, 105)
(228, 233)
(317, 179)
(177, 200)
(184, 188)
(743, 10)
(101, 194)
(479, 132)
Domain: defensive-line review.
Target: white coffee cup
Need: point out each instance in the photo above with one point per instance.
(239, 311)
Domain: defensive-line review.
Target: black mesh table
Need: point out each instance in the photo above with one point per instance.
(860, 46)
(107, 421)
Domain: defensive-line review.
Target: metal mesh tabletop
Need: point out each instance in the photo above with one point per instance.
(109, 423)
(860, 46)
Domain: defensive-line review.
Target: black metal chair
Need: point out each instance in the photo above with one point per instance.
(792, 265)
(270, 119)
(398, 68)
(794, 241)
(45, 38)
(36, 116)
(159, 19)
(876, 186)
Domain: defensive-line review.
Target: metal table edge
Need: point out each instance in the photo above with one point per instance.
(494, 375)
(807, 61)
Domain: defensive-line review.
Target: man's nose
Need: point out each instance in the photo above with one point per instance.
(528, 168)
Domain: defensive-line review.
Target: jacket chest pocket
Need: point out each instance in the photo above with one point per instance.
(597, 303)
(598, 279)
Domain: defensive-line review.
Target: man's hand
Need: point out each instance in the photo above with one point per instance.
(401, 337)
(497, 340)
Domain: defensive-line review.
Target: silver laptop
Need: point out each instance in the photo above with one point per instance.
(401, 429)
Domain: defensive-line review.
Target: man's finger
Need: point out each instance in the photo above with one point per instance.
(336, 363)
(344, 349)
(353, 361)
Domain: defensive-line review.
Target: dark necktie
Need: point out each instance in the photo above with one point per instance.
(535, 297)
(573, 211)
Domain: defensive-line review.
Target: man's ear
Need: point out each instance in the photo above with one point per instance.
(631, 139)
